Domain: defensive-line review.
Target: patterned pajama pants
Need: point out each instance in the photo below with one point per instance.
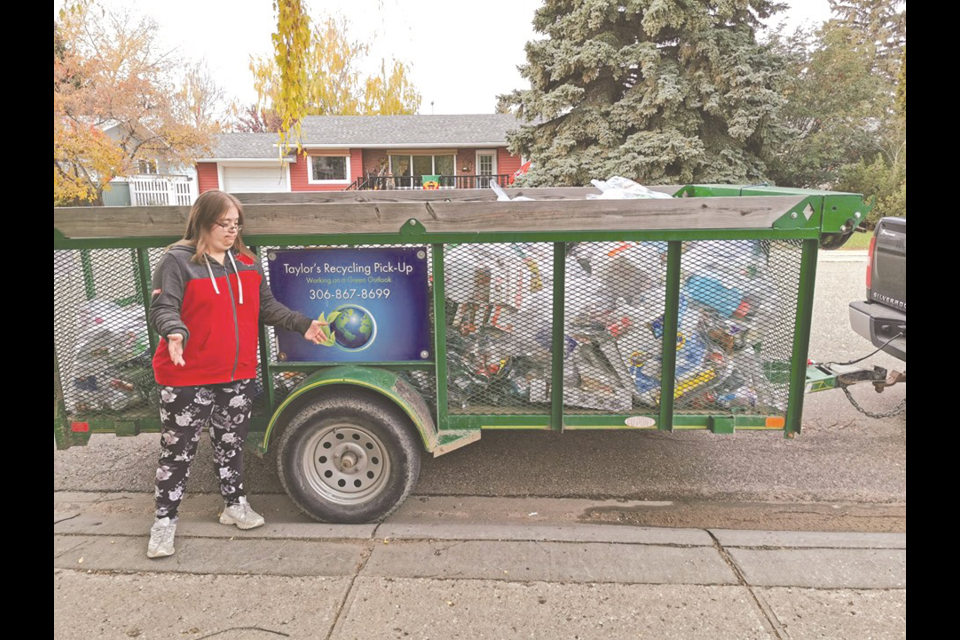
(184, 411)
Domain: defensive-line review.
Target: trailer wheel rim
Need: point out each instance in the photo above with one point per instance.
(346, 463)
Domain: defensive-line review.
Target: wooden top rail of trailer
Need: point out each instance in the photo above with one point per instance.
(477, 211)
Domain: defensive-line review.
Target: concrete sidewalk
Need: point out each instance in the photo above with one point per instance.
(462, 568)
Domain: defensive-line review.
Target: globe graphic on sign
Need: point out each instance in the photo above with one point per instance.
(354, 328)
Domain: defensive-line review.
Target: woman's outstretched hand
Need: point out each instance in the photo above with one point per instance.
(315, 333)
(175, 348)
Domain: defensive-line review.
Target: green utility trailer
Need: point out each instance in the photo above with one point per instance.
(560, 313)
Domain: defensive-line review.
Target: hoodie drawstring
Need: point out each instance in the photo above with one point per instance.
(213, 280)
(239, 279)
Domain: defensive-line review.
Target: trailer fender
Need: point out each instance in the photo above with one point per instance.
(381, 381)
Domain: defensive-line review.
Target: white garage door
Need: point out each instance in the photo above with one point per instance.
(255, 179)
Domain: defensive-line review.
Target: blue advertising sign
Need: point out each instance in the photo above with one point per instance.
(375, 300)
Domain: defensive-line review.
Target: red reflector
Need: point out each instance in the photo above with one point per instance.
(80, 427)
(873, 245)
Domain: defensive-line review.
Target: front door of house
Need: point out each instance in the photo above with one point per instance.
(486, 166)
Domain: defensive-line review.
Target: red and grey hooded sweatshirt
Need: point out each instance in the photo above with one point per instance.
(218, 308)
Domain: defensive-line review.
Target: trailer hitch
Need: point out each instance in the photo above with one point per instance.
(893, 378)
(822, 377)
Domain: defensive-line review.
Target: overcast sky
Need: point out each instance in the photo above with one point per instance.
(461, 54)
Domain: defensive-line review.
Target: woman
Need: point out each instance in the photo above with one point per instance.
(209, 295)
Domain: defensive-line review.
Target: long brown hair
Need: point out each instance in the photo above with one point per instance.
(206, 212)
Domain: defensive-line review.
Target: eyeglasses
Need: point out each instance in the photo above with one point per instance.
(226, 226)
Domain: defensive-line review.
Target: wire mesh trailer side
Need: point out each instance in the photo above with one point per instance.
(689, 312)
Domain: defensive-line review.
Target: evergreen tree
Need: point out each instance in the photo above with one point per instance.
(879, 25)
(661, 91)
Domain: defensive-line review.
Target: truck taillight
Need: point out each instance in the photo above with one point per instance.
(873, 245)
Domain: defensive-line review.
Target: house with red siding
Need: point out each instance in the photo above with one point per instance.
(366, 152)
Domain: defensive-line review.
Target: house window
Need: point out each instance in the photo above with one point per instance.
(444, 165)
(147, 167)
(400, 165)
(329, 169)
(408, 169)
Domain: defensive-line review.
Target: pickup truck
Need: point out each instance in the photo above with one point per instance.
(882, 317)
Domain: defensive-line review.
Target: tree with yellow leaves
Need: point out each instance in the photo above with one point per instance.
(118, 100)
(390, 93)
(324, 78)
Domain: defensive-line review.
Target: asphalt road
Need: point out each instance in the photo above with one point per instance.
(842, 457)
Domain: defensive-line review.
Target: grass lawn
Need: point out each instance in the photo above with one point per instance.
(858, 241)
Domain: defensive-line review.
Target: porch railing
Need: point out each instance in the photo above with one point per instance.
(162, 190)
(382, 183)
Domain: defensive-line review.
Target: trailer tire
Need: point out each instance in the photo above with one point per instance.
(350, 457)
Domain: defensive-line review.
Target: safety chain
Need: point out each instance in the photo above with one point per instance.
(896, 411)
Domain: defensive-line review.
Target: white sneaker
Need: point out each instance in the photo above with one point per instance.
(242, 515)
(161, 538)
